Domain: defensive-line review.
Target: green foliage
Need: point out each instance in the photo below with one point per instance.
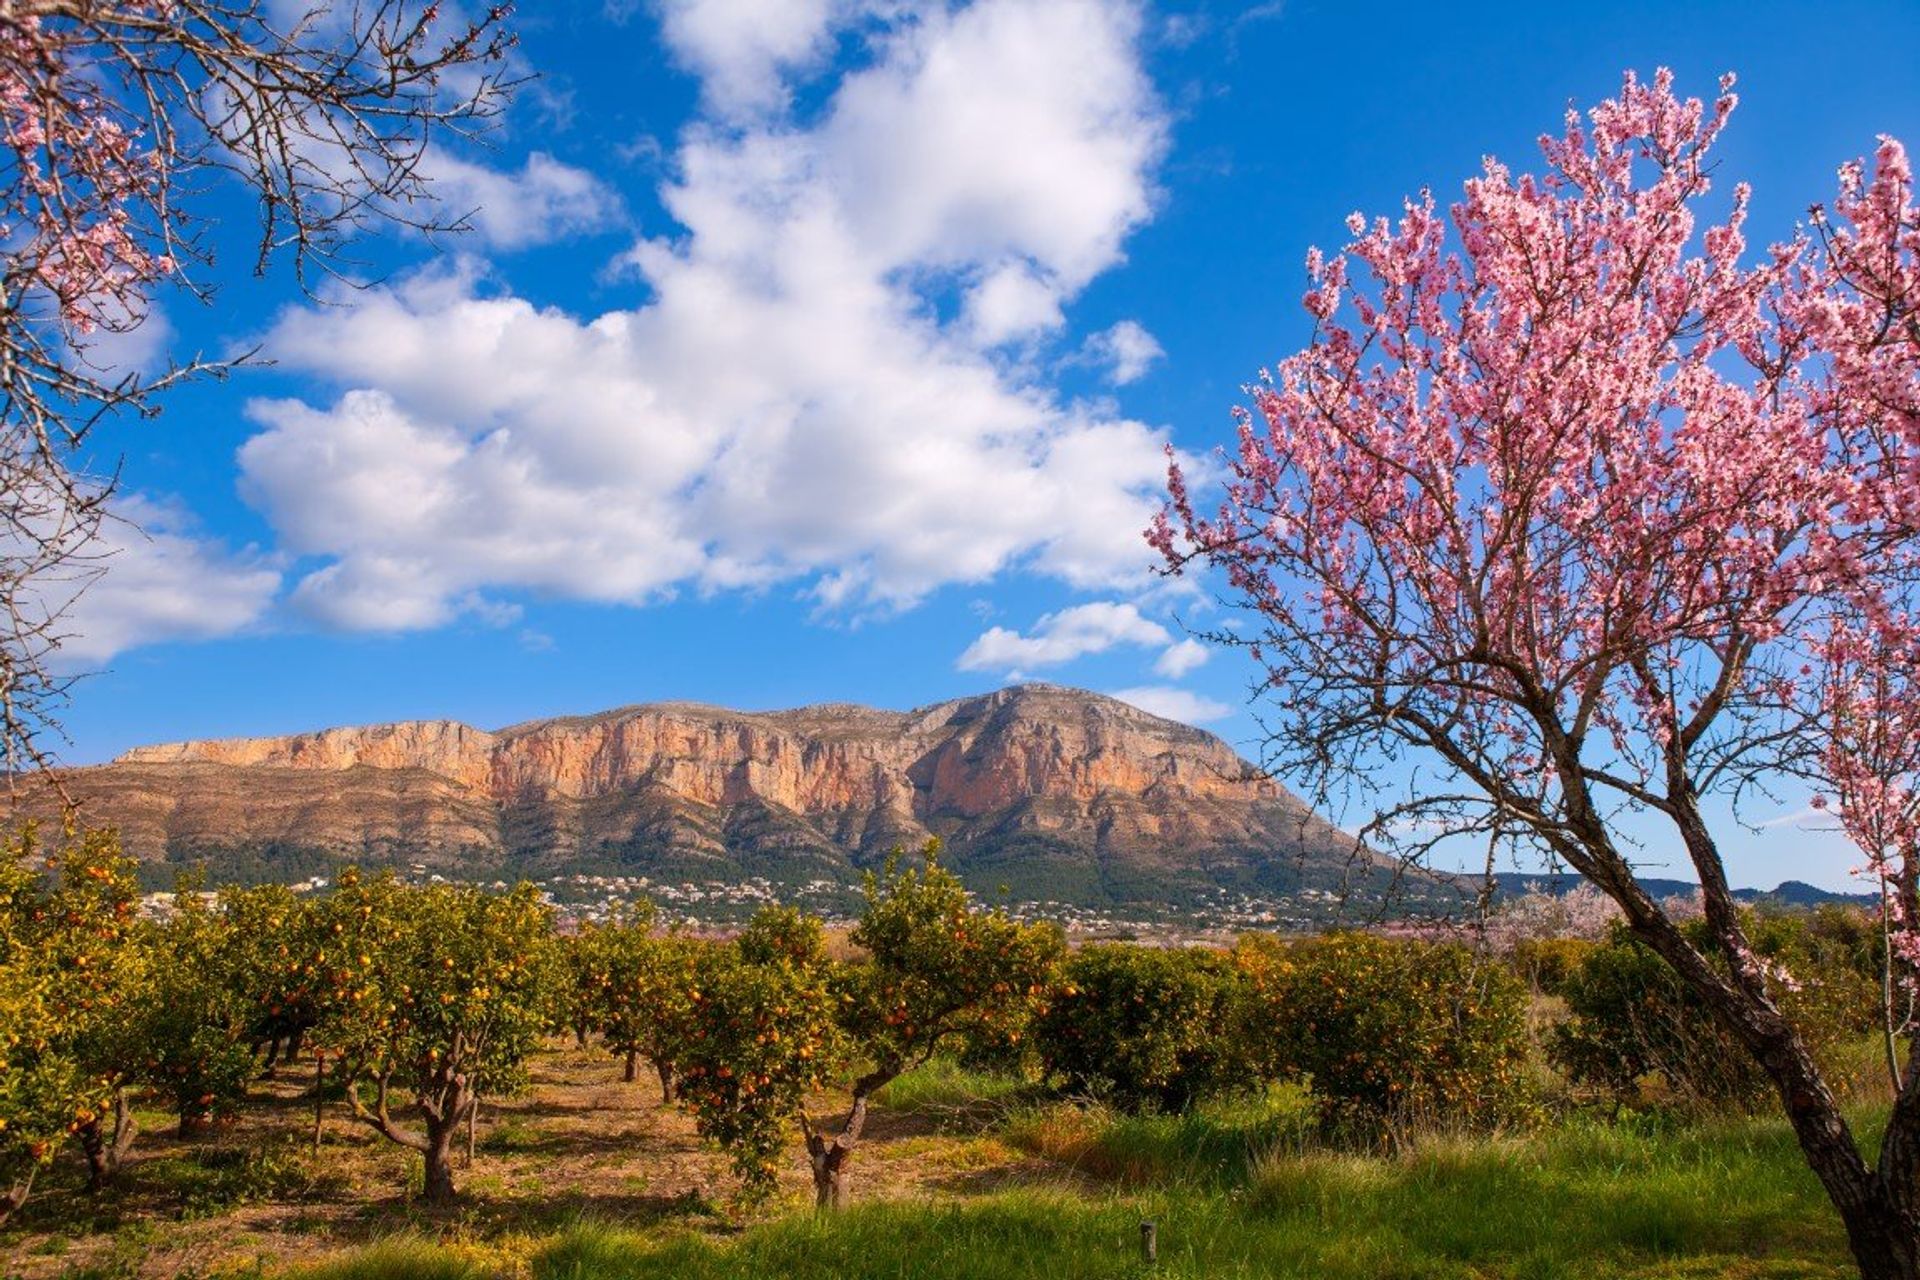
(777, 935)
(273, 945)
(775, 1018)
(939, 969)
(432, 996)
(764, 1037)
(1631, 1017)
(1828, 966)
(416, 983)
(639, 985)
(1545, 964)
(1146, 1025)
(80, 997)
(1394, 1035)
(577, 977)
(40, 1086)
(193, 1027)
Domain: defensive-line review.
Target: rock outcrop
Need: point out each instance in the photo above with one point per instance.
(1052, 792)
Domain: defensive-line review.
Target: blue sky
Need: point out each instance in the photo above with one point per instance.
(824, 351)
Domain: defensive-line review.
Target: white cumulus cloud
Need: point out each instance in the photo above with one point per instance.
(543, 201)
(1174, 703)
(1126, 350)
(742, 49)
(1062, 637)
(788, 405)
(148, 577)
(1188, 655)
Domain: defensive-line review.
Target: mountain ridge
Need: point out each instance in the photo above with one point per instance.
(1048, 791)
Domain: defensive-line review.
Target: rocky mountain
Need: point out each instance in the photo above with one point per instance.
(1048, 792)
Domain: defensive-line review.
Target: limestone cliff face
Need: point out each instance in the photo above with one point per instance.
(1054, 774)
(454, 751)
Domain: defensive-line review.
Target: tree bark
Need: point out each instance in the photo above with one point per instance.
(632, 1071)
(443, 1124)
(1876, 1206)
(439, 1187)
(16, 1195)
(319, 1096)
(665, 1071)
(832, 1180)
(106, 1149)
(830, 1157)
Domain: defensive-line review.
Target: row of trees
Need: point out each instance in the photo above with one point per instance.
(416, 1002)
(422, 998)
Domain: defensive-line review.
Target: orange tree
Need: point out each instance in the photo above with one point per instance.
(1394, 1035)
(642, 1000)
(1145, 1025)
(40, 1084)
(937, 970)
(272, 942)
(578, 975)
(193, 1029)
(430, 996)
(99, 966)
(762, 1036)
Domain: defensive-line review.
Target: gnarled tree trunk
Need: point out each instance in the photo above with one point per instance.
(105, 1145)
(830, 1157)
(1879, 1206)
(438, 1155)
(445, 1110)
(16, 1195)
(446, 1117)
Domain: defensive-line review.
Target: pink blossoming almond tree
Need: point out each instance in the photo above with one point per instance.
(1600, 517)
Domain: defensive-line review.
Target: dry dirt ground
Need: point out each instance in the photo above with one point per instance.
(255, 1195)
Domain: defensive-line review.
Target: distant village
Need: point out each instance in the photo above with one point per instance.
(719, 904)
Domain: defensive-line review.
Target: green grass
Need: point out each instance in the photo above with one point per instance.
(1723, 1199)
(402, 1258)
(943, 1085)
(1240, 1190)
(208, 1181)
(1216, 1144)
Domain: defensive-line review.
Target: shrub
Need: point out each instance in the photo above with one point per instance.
(763, 1037)
(1545, 964)
(1394, 1035)
(1631, 1017)
(1146, 1026)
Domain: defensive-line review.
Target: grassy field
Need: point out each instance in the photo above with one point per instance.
(586, 1178)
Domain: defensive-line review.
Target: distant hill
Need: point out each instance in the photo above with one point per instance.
(1043, 792)
(1790, 893)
